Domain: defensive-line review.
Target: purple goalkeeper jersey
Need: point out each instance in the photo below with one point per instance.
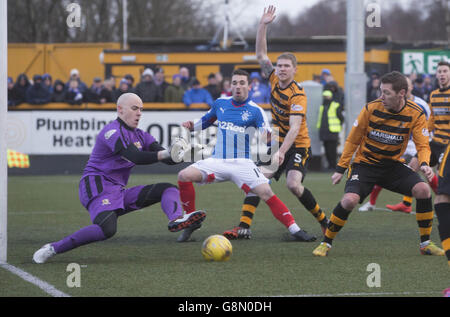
(105, 160)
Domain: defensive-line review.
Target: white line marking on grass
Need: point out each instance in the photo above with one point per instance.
(361, 294)
(46, 287)
(48, 212)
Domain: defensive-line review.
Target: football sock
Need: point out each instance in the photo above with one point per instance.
(280, 211)
(443, 215)
(187, 196)
(83, 236)
(407, 200)
(424, 217)
(171, 204)
(248, 210)
(337, 221)
(308, 201)
(294, 228)
(434, 183)
(374, 194)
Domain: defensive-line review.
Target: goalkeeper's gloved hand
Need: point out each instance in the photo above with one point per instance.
(178, 149)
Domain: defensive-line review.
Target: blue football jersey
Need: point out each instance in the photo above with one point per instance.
(237, 124)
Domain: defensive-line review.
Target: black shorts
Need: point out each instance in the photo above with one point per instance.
(437, 149)
(295, 159)
(444, 174)
(397, 177)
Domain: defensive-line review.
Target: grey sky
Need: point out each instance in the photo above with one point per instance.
(250, 11)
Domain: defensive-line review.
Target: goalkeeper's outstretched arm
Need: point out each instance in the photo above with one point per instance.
(155, 154)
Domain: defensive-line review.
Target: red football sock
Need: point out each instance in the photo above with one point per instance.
(187, 196)
(280, 211)
(374, 194)
(434, 183)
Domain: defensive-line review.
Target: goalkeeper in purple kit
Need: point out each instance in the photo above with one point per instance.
(118, 148)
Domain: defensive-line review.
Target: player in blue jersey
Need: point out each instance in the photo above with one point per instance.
(120, 146)
(238, 118)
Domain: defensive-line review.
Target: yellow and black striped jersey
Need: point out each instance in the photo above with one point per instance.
(380, 136)
(290, 101)
(439, 122)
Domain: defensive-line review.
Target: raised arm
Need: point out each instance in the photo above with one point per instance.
(261, 41)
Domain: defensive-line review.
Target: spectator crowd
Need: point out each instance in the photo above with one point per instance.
(151, 87)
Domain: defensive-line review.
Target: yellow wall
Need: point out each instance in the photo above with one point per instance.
(58, 59)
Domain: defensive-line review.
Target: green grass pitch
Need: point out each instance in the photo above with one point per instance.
(144, 259)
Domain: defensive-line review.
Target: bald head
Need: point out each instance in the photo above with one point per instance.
(129, 109)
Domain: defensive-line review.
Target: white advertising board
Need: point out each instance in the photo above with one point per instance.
(74, 132)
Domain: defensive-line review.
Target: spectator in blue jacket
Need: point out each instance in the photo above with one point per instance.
(75, 75)
(259, 92)
(197, 94)
(38, 93)
(48, 82)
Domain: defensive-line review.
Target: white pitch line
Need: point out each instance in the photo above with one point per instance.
(46, 287)
(360, 294)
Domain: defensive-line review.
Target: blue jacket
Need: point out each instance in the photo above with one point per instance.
(197, 95)
(38, 94)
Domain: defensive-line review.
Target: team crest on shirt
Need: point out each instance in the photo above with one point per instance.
(138, 145)
(425, 132)
(109, 133)
(105, 202)
(245, 115)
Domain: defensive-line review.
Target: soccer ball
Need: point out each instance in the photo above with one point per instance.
(217, 248)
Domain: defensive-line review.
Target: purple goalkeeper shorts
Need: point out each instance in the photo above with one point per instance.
(97, 194)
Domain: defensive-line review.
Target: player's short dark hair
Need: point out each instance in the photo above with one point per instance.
(443, 63)
(289, 56)
(397, 79)
(241, 72)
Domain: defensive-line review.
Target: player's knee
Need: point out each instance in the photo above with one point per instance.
(294, 186)
(190, 174)
(107, 221)
(350, 200)
(263, 191)
(421, 191)
(184, 176)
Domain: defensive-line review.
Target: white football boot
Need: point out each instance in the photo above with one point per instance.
(43, 254)
(367, 207)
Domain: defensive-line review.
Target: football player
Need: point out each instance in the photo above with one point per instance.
(288, 107)
(379, 137)
(238, 119)
(120, 146)
(410, 157)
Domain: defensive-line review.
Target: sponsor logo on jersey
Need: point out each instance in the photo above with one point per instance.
(138, 145)
(296, 108)
(230, 126)
(109, 133)
(441, 111)
(386, 138)
(105, 202)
